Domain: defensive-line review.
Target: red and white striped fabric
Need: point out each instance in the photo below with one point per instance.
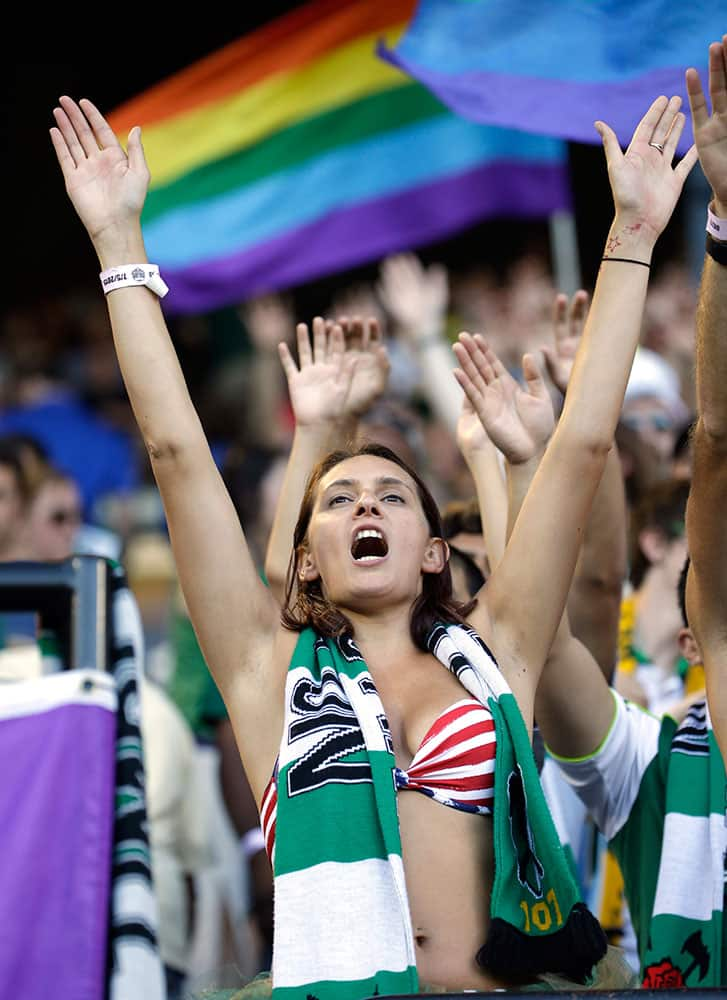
(454, 765)
(268, 813)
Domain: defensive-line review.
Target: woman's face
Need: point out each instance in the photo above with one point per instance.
(368, 537)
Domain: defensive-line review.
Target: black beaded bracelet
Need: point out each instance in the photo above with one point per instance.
(628, 260)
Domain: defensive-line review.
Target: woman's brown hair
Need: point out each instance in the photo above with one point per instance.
(434, 604)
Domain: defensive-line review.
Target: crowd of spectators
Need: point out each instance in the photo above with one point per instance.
(63, 410)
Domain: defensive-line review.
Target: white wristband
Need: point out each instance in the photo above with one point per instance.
(133, 274)
(716, 227)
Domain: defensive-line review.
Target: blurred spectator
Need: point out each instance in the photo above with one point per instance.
(14, 497)
(19, 656)
(530, 293)
(54, 516)
(648, 669)
(669, 324)
(462, 525)
(641, 465)
(653, 405)
(152, 577)
(653, 427)
(254, 478)
(32, 455)
(398, 425)
(100, 458)
(180, 833)
(479, 304)
(230, 943)
(269, 321)
(416, 300)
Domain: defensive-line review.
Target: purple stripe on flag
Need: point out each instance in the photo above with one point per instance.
(563, 108)
(56, 813)
(369, 230)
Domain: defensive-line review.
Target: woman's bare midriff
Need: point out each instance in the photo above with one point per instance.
(449, 867)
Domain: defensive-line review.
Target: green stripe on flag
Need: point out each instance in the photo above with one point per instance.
(306, 140)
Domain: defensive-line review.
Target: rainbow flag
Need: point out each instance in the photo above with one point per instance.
(555, 66)
(296, 152)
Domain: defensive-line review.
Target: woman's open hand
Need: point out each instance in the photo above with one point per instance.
(365, 346)
(644, 184)
(519, 421)
(320, 383)
(106, 186)
(568, 322)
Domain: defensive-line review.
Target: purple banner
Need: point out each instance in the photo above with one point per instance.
(56, 815)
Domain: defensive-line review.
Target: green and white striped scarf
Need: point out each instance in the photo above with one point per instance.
(342, 923)
(678, 891)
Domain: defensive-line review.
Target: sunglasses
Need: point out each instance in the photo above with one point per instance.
(639, 421)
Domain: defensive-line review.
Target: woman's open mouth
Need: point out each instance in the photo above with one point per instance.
(369, 545)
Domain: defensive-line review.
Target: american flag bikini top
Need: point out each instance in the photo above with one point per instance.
(454, 765)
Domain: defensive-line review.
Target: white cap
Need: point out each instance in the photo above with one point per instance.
(652, 375)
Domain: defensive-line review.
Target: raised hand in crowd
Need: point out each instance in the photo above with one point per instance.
(569, 318)
(319, 385)
(364, 345)
(339, 376)
(337, 379)
(518, 419)
(706, 527)
(710, 130)
(521, 433)
(416, 298)
(486, 467)
(269, 321)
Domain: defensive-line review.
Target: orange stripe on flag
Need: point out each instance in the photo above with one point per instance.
(284, 44)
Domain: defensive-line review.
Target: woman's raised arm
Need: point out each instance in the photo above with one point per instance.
(233, 613)
(526, 594)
